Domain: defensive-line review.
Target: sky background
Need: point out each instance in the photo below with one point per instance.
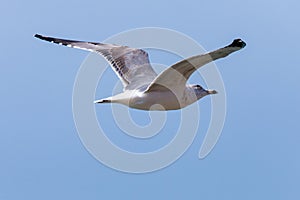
(257, 156)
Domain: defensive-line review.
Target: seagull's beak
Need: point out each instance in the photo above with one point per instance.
(212, 92)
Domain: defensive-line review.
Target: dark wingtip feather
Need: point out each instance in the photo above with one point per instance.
(49, 39)
(237, 43)
(38, 36)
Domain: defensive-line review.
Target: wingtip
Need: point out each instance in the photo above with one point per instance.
(49, 39)
(38, 36)
(41, 37)
(238, 43)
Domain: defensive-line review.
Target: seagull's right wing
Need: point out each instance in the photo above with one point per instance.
(175, 77)
(130, 64)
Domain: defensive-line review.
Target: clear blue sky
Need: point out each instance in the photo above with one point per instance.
(257, 156)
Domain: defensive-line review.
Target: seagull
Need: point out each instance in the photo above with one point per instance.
(143, 88)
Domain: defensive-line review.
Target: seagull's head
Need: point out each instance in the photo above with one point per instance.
(201, 92)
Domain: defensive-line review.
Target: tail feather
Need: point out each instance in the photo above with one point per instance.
(103, 101)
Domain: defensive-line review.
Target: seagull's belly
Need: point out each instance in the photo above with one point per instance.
(157, 101)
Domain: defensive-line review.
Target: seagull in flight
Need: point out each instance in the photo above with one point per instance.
(143, 88)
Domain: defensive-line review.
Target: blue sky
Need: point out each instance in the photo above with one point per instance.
(257, 156)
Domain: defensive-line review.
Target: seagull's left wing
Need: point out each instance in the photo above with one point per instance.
(131, 65)
(175, 77)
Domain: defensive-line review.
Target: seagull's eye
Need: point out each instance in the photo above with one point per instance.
(198, 87)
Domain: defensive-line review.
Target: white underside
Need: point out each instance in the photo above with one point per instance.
(158, 100)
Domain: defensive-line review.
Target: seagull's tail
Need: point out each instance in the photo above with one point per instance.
(103, 101)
